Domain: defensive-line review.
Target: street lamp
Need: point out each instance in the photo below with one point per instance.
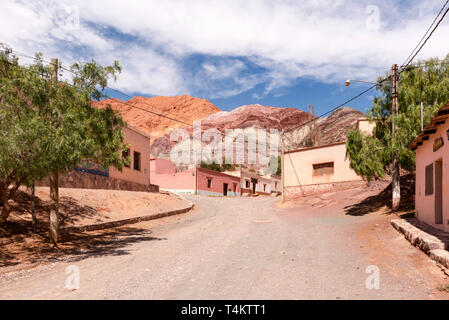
(348, 82)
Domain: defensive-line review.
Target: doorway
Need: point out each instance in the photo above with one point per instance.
(439, 192)
(254, 181)
(225, 189)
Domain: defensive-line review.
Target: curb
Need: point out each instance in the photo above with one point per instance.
(434, 247)
(119, 223)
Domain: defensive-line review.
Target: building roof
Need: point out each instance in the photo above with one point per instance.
(137, 130)
(439, 119)
(316, 147)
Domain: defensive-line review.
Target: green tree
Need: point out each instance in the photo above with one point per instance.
(52, 126)
(213, 165)
(371, 156)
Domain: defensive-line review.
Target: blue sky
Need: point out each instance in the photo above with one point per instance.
(281, 53)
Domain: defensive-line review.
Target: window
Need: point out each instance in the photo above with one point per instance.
(323, 169)
(137, 161)
(429, 180)
(125, 155)
(234, 187)
(209, 183)
(247, 184)
(264, 188)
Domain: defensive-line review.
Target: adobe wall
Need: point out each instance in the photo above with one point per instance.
(425, 155)
(82, 180)
(291, 193)
(139, 143)
(298, 166)
(181, 182)
(218, 181)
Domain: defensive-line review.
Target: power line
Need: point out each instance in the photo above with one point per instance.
(115, 90)
(339, 106)
(420, 41)
(117, 100)
(408, 61)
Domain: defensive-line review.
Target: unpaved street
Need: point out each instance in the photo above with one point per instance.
(246, 249)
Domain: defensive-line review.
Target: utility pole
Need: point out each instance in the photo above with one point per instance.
(54, 182)
(282, 166)
(422, 117)
(396, 184)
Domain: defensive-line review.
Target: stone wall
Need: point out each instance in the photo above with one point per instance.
(291, 193)
(82, 180)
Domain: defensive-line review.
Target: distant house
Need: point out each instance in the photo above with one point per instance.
(321, 168)
(432, 174)
(276, 183)
(198, 181)
(253, 183)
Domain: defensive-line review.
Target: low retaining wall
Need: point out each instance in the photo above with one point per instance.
(82, 180)
(291, 193)
(430, 240)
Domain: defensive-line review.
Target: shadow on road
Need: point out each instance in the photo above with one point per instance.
(383, 199)
(18, 245)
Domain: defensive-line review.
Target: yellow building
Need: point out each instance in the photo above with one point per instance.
(320, 169)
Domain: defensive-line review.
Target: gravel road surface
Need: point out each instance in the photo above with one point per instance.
(245, 248)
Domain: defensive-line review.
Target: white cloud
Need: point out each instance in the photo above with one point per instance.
(324, 40)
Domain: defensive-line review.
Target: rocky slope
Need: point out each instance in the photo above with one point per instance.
(184, 108)
(189, 109)
(252, 116)
(324, 131)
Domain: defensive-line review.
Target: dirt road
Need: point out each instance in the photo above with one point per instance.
(246, 249)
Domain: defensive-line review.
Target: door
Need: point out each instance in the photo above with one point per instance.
(254, 181)
(225, 189)
(439, 192)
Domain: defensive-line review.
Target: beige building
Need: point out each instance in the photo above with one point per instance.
(432, 172)
(276, 183)
(320, 169)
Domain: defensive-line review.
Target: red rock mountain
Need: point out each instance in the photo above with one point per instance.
(185, 108)
(189, 109)
(252, 116)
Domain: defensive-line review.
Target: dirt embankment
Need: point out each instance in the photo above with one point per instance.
(78, 207)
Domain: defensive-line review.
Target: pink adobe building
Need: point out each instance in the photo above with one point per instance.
(198, 181)
(135, 177)
(139, 151)
(432, 172)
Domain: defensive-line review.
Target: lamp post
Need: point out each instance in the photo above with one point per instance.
(348, 82)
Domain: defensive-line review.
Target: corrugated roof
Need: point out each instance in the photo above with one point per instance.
(439, 119)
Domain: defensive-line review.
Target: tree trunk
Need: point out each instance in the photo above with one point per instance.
(396, 185)
(5, 195)
(54, 208)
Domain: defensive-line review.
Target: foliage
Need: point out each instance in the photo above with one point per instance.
(213, 165)
(372, 156)
(49, 126)
(275, 166)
